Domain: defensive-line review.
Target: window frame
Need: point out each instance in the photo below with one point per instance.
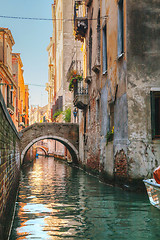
(98, 36)
(120, 29)
(90, 51)
(155, 116)
(104, 49)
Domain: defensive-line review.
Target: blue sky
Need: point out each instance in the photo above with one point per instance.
(31, 40)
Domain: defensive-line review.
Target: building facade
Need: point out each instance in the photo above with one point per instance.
(14, 91)
(22, 94)
(119, 123)
(7, 84)
(60, 51)
(38, 114)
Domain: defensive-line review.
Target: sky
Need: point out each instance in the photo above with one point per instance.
(31, 40)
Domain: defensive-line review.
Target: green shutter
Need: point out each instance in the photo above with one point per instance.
(153, 114)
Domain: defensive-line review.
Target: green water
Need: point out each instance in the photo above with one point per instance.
(57, 202)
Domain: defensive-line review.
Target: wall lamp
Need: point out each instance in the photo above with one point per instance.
(10, 84)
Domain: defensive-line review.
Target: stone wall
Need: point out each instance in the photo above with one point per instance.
(9, 168)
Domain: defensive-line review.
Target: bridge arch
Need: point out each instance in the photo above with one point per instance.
(44, 149)
(65, 133)
(73, 151)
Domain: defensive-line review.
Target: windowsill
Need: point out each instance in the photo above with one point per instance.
(120, 56)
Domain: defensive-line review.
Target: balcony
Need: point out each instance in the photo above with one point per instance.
(81, 97)
(80, 20)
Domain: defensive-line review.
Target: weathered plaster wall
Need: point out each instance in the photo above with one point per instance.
(106, 155)
(114, 153)
(93, 115)
(135, 154)
(143, 73)
(126, 84)
(121, 137)
(9, 168)
(82, 150)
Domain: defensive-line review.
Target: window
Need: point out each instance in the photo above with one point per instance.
(104, 49)
(98, 36)
(97, 110)
(120, 29)
(90, 51)
(155, 114)
(11, 97)
(8, 95)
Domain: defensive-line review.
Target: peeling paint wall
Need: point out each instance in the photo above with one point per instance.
(132, 155)
(124, 91)
(92, 115)
(142, 74)
(113, 162)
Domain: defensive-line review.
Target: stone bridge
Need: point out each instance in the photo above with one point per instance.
(66, 133)
(44, 149)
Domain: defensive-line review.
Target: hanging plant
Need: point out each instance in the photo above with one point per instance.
(73, 81)
(73, 73)
(71, 84)
(79, 78)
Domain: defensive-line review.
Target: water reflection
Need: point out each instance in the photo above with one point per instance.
(58, 202)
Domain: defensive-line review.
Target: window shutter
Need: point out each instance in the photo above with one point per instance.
(152, 114)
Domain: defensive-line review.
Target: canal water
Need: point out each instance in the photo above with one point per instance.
(57, 201)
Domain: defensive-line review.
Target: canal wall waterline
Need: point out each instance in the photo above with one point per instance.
(9, 168)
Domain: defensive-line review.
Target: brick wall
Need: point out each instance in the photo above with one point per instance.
(9, 168)
(121, 168)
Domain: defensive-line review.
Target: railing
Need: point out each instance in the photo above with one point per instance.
(79, 89)
(80, 9)
(80, 95)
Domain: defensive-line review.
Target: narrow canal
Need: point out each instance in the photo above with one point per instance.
(57, 201)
